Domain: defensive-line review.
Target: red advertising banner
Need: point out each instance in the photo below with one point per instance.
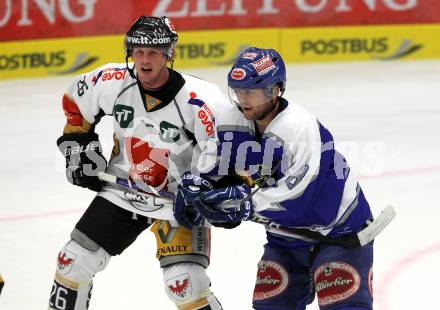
(35, 19)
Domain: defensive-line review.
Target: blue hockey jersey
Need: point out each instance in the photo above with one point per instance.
(305, 182)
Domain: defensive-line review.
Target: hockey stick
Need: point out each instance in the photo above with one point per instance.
(351, 241)
(362, 238)
(127, 184)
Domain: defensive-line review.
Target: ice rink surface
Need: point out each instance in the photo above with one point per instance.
(385, 117)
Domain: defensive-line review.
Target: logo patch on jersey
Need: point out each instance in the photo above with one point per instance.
(65, 261)
(169, 133)
(144, 203)
(166, 232)
(110, 74)
(148, 165)
(335, 281)
(204, 114)
(180, 286)
(263, 65)
(272, 280)
(151, 102)
(124, 115)
(238, 74)
(96, 78)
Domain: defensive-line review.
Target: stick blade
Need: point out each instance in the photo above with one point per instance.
(374, 229)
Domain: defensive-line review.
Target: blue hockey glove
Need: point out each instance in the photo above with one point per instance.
(184, 211)
(209, 204)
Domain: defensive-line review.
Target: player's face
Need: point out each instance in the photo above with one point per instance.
(255, 103)
(151, 66)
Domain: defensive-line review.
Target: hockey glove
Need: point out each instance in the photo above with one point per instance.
(236, 207)
(184, 211)
(84, 159)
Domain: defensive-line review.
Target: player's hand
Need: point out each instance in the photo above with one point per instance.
(237, 206)
(184, 211)
(84, 159)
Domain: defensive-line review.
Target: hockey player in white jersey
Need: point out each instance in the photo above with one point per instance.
(159, 116)
(304, 183)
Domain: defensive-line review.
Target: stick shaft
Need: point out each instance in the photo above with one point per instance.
(362, 238)
(112, 179)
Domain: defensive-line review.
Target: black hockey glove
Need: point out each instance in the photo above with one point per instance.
(84, 159)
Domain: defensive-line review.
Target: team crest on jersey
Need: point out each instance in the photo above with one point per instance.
(151, 102)
(169, 133)
(124, 115)
(148, 165)
(180, 287)
(65, 261)
(263, 65)
(336, 281)
(272, 280)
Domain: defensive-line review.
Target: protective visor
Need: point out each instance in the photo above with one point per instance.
(250, 97)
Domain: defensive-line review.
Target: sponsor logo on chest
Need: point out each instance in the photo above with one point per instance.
(110, 74)
(169, 132)
(124, 115)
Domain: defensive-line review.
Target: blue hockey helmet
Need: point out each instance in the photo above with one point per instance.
(257, 68)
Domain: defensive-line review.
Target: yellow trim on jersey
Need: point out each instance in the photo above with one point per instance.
(66, 282)
(198, 304)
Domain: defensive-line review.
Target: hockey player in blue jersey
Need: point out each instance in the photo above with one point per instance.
(296, 178)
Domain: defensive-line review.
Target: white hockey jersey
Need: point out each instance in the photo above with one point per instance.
(154, 143)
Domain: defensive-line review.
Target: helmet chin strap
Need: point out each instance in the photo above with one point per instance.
(130, 70)
(273, 104)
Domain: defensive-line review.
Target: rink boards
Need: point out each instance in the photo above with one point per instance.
(51, 57)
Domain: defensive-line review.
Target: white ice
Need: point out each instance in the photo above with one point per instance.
(385, 116)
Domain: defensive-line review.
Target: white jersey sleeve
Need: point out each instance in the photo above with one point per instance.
(88, 100)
